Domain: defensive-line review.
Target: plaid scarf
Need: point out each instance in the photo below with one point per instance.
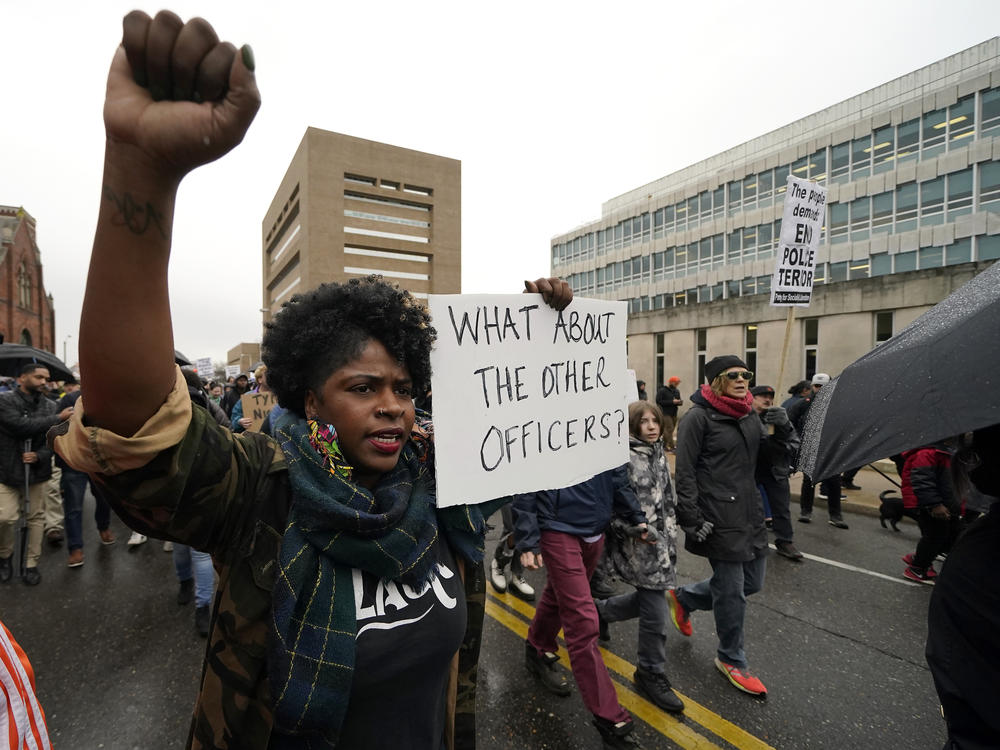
(333, 526)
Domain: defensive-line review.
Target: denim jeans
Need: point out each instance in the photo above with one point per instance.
(650, 606)
(725, 593)
(204, 573)
(74, 487)
(566, 603)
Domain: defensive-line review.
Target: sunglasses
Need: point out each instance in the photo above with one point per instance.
(745, 374)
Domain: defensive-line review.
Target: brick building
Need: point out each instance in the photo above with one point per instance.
(27, 315)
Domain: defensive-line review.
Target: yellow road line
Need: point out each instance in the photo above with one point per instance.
(714, 723)
(680, 733)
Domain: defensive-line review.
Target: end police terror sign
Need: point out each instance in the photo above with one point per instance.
(527, 398)
(795, 263)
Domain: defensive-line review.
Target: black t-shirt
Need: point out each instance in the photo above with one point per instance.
(406, 640)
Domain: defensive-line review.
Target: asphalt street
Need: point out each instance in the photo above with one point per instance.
(838, 639)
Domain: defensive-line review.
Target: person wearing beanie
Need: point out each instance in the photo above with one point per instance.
(668, 398)
(720, 510)
(774, 466)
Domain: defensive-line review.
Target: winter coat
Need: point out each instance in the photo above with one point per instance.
(777, 452)
(582, 510)
(926, 479)
(665, 396)
(714, 473)
(629, 558)
(25, 417)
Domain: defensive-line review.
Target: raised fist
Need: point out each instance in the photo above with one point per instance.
(177, 94)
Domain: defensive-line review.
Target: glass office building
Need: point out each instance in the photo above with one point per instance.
(913, 171)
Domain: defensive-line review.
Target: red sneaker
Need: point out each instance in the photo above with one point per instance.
(925, 576)
(908, 558)
(741, 679)
(678, 615)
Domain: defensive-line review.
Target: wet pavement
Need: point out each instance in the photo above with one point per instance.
(838, 640)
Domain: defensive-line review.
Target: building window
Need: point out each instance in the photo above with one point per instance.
(908, 140)
(932, 202)
(990, 121)
(701, 345)
(810, 338)
(750, 349)
(906, 207)
(960, 252)
(959, 194)
(26, 337)
(905, 261)
(883, 326)
(23, 286)
(660, 366)
(881, 264)
(988, 247)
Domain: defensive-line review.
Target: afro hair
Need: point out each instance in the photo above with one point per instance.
(318, 332)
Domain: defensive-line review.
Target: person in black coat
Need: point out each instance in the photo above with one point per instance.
(720, 509)
(963, 622)
(774, 466)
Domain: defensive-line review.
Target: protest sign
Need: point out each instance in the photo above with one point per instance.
(256, 406)
(795, 261)
(526, 398)
(204, 367)
(631, 387)
(232, 371)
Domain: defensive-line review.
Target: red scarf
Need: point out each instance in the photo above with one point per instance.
(731, 407)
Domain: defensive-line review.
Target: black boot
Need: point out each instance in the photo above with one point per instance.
(186, 591)
(620, 736)
(655, 687)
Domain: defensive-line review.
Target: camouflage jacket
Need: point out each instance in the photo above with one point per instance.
(184, 478)
(630, 559)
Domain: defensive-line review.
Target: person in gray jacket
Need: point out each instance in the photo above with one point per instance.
(721, 512)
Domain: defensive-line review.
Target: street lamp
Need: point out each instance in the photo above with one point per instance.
(68, 337)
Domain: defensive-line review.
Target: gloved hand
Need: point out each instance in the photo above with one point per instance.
(776, 415)
(701, 532)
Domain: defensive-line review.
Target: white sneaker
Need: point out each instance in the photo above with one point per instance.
(521, 588)
(168, 546)
(497, 577)
(136, 539)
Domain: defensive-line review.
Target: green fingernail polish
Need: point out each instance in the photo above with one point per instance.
(248, 60)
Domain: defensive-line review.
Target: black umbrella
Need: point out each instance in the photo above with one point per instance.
(15, 356)
(939, 377)
(181, 359)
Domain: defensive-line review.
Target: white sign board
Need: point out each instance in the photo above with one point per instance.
(795, 261)
(526, 398)
(232, 371)
(204, 367)
(631, 387)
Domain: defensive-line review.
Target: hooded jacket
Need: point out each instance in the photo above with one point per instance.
(582, 510)
(714, 475)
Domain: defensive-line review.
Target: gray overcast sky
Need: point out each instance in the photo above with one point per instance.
(552, 107)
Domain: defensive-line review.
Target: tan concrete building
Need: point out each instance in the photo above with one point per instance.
(246, 355)
(349, 207)
(913, 171)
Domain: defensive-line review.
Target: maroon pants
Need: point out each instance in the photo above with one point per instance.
(566, 603)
